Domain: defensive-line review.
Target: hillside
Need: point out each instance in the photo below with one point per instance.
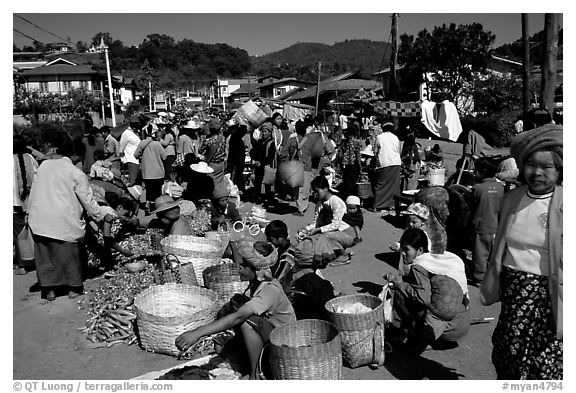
(300, 60)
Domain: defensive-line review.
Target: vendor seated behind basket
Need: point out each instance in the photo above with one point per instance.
(223, 211)
(168, 217)
(267, 308)
(307, 291)
(430, 304)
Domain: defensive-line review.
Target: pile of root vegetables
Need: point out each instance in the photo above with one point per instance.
(109, 308)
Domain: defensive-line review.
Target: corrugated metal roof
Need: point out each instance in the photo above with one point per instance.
(60, 69)
(348, 84)
(289, 93)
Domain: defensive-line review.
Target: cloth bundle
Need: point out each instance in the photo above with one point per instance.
(314, 251)
(354, 308)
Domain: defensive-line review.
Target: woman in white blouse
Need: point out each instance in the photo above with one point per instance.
(328, 220)
(525, 270)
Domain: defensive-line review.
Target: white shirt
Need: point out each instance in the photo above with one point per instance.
(389, 148)
(129, 141)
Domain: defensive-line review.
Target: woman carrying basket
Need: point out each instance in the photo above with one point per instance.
(267, 308)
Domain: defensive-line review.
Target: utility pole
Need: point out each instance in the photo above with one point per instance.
(105, 49)
(150, 95)
(393, 60)
(318, 88)
(525, 66)
(102, 101)
(549, 63)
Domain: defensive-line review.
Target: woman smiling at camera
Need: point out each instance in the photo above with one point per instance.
(525, 268)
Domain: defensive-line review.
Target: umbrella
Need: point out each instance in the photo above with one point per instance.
(117, 131)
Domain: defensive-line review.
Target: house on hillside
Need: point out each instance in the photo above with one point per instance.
(126, 88)
(331, 88)
(281, 86)
(225, 87)
(60, 76)
(267, 79)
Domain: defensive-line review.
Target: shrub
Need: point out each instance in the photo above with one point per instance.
(497, 129)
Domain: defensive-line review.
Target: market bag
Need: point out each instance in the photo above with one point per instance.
(269, 175)
(387, 297)
(172, 271)
(25, 244)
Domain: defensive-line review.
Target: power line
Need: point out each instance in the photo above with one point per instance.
(27, 36)
(35, 25)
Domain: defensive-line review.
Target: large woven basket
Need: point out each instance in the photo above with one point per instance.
(224, 279)
(306, 349)
(250, 115)
(362, 334)
(198, 251)
(163, 312)
(291, 173)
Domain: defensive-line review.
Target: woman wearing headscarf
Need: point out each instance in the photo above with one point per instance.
(58, 199)
(24, 168)
(525, 269)
(388, 163)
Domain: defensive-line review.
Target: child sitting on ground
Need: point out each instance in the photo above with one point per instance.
(302, 283)
(354, 216)
(430, 303)
(267, 308)
(417, 214)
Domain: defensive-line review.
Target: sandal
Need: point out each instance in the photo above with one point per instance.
(341, 260)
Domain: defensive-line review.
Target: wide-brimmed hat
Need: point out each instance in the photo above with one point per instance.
(135, 191)
(201, 167)
(419, 210)
(165, 202)
(193, 124)
(367, 151)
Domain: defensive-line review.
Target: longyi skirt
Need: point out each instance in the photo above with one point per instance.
(386, 185)
(524, 340)
(57, 262)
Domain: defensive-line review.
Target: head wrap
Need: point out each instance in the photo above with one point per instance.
(538, 139)
(220, 191)
(255, 259)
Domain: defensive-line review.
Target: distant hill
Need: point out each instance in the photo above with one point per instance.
(301, 59)
(514, 50)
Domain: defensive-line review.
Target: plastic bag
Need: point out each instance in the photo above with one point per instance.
(387, 298)
(26, 244)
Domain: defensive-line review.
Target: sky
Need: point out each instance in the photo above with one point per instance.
(257, 33)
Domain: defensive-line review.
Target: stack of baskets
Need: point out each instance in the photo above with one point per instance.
(166, 311)
(225, 280)
(306, 349)
(362, 334)
(199, 251)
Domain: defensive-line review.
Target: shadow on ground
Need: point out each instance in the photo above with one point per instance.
(368, 287)
(391, 258)
(413, 367)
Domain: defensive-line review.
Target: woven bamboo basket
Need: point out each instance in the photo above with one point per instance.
(306, 349)
(436, 177)
(364, 190)
(197, 251)
(225, 280)
(163, 312)
(362, 334)
(291, 173)
(250, 115)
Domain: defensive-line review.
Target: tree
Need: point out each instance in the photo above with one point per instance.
(450, 54)
(81, 46)
(107, 39)
(497, 93)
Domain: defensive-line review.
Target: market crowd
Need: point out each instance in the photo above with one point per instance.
(76, 199)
